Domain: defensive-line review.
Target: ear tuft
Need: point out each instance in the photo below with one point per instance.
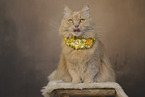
(85, 10)
(67, 12)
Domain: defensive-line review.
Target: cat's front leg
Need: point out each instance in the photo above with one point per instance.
(74, 73)
(89, 78)
(90, 74)
(75, 77)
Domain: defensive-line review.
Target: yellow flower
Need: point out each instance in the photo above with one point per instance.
(76, 46)
(71, 39)
(94, 39)
(65, 39)
(89, 42)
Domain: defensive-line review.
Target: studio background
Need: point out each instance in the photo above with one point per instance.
(30, 42)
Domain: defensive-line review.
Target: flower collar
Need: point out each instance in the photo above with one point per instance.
(77, 44)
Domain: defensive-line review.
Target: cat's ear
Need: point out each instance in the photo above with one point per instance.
(67, 12)
(85, 11)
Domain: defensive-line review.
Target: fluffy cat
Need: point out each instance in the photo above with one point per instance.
(85, 65)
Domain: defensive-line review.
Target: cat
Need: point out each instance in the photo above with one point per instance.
(81, 61)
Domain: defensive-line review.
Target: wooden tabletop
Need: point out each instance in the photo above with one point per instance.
(84, 92)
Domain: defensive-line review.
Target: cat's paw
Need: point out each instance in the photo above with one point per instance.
(76, 81)
(88, 81)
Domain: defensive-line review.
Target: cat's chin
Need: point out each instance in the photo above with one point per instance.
(76, 33)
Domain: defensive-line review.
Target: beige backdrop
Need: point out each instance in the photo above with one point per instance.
(30, 42)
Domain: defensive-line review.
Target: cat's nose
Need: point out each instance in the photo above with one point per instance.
(76, 29)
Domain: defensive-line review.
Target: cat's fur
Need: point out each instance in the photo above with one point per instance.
(84, 65)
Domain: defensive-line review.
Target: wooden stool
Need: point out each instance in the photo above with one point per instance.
(83, 92)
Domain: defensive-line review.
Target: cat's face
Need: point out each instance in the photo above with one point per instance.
(78, 24)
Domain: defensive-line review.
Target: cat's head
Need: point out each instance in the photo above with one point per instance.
(78, 24)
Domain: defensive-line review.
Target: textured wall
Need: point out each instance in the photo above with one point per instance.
(30, 43)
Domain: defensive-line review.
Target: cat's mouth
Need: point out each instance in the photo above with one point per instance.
(76, 31)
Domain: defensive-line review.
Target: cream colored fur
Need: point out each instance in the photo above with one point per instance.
(86, 65)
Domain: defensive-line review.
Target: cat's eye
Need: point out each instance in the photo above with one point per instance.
(82, 20)
(70, 21)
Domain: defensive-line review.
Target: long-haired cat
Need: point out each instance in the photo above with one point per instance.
(83, 58)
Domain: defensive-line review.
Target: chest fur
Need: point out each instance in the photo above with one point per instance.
(78, 56)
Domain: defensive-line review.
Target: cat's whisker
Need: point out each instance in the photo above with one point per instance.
(53, 25)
